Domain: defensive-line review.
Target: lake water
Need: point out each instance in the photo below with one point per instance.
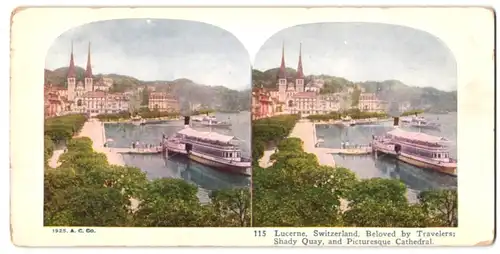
(158, 166)
(367, 166)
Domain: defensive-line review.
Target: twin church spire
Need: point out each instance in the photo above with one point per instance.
(72, 70)
(282, 71)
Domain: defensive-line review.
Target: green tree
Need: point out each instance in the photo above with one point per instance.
(169, 203)
(98, 207)
(232, 206)
(441, 207)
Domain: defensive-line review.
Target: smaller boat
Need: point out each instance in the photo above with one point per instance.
(421, 122)
(406, 120)
(211, 121)
(197, 119)
(137, 120)
(366, 121)
(348, 121)
(153, 122)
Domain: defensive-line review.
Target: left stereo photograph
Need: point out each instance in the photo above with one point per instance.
(147, 123)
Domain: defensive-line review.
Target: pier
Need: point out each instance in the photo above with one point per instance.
(345, 151)
(130, 150)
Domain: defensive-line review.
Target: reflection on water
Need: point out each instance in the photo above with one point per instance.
(206, 178)
(368, 166)
(415, 178)
(157, 166)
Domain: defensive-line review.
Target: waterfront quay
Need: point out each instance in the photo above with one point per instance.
(306, 131)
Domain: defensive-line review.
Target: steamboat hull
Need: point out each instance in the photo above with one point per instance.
(449, 170)
(219, 165)
(216, 125)
(431, 127)
(442, 168)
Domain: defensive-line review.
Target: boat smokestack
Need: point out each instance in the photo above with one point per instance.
(186, 121)
(396, 122)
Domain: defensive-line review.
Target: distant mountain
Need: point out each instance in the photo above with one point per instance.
(214, 97)
(428, 98)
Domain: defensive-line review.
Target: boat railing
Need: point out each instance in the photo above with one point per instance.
(230, 160)
(212, 145)
(428, 148)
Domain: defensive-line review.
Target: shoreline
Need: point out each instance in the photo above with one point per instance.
(94, 129)
(332, 122)
(130, 121)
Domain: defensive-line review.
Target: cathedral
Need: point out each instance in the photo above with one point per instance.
(287, 90)
(77, 89)
(92, 96)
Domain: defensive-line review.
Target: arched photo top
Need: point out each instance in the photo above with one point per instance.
(193, 59)
(378, 56)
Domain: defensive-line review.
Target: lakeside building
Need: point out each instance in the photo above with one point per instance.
(263, 104)
(163, 101)
(88, 95)
(100, 102)
(54, 103)
(369, 102)
(291, 96)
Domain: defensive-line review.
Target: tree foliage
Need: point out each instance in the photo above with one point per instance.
(269, 131)
(85, 190)
(62, 128)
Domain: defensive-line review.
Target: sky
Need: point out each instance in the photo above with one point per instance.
(364, 52)
(156, 49)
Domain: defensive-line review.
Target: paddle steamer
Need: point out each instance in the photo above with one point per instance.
(416, 148)
(209, 148)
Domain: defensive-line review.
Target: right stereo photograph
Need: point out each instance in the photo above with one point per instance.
(354, 125)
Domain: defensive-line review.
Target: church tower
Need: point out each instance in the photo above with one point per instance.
(89, 80)
(299, 81)
(282, 77)
(71, 78)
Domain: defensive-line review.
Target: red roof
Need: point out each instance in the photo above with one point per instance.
(305, 95)
(95, 94)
